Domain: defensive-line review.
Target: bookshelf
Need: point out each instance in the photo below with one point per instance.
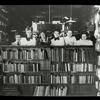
(97, 82)
(79, 65)
(3, 23)
(48, 70)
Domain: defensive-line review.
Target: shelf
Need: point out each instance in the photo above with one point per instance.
(47, 84)
(54, 62)
(23, 61)
(54, 84)
(26, 73)
(46, 79)
(75, 84)
(41, 46)
(82, 73)
(60, 73)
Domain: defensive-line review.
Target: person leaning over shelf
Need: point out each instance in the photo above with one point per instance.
(43, 39)
(17, 39)
(69, 39)
(29, 39)
(57, 40)
(84, 40)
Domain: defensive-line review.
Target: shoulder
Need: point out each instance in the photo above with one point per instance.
(52, 39)
(23, 39)
(13, 43)
(80, 40)
(61, 38)
(73, 37)
(89, 41)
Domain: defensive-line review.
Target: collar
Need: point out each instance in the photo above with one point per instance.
(56, 38)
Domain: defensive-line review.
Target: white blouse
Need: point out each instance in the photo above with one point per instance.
(70, 40)
(59, 42)
(84, 42)
(30, 42)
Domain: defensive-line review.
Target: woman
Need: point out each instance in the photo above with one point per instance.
(42, 38)
(57, 40)
(28, 40)
(69, 39)
(84, 40)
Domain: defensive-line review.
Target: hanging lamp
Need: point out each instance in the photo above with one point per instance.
(70, 19)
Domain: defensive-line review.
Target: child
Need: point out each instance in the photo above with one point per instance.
(84, 40)
(69, 39)
(28, 40)
(57, 40)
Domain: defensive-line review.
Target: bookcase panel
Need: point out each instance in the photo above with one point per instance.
(49, 71)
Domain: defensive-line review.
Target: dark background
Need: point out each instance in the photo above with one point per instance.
(22, 15)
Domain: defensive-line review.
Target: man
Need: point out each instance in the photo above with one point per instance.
(84, 40)
(17, 39)
(57, 40)
(69, 39)
(28, 40)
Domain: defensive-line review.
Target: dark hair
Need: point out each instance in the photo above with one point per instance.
(17, 33)
(85, 34)
(28, 28)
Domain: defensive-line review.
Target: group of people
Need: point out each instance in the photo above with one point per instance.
(68, 39)
(57, 38)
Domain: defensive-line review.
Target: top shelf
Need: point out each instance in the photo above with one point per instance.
(45, 46)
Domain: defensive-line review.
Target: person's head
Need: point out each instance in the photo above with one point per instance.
(84, 36)
(28, 31)
(42, 35)
(69, 33)
(56, 34)
(62, 33)
(17, 37)
(34, 35)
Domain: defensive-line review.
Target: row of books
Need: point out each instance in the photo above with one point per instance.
(59, 79)
(54, 79)
(57, 54)
(82, 79)
(36, 67)
(22, 79)
(24, 54)
(20, 67)
(41, 91)
(76, 55)
(60, 67)
(50, 91)
(98, 93)
(86, 67)
(75, 67)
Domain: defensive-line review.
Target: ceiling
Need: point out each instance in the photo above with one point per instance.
(21, 15)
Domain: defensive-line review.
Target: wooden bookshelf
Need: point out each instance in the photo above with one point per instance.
(3, 23)
(63, 69)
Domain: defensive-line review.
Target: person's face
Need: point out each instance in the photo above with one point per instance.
(62, 34)
(18, 37)
(84, 37)
(28, 33)
(34, 35)
(42, 35)
(69, 33)
(56, 34)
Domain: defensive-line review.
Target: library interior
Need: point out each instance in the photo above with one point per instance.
(49, 50)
